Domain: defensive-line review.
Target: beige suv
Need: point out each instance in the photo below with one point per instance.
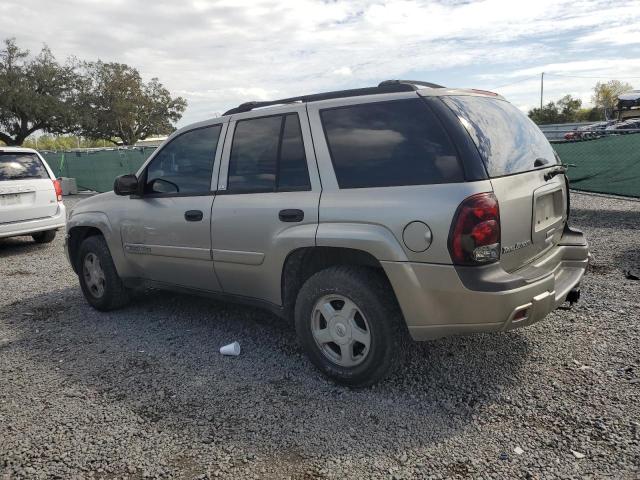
(368, 216)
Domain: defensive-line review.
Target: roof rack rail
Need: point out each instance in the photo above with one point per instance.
(388, 86)
(411, 82)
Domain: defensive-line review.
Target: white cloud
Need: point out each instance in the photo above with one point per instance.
(343, 71)
(622, 35)
(219, 54)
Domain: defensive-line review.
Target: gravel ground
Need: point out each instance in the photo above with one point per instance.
(142, 392)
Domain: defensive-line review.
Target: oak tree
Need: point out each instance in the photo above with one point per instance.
(35, 93)
(118, 106)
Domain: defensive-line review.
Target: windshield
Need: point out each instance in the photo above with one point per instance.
(508, 141)
(17, 166)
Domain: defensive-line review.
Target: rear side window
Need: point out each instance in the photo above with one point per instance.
(508, 141)
(267, 155)
(293, 173)
(389, 144)
(18, 166)
(185, 164)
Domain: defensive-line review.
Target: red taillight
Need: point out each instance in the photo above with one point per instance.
(475, 232)
(58, 188)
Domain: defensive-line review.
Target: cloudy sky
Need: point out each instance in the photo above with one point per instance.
(219, 53)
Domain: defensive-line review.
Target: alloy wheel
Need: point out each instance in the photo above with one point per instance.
(341, 330)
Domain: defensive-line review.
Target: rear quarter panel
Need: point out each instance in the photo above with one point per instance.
(392, 209)
(387, 208)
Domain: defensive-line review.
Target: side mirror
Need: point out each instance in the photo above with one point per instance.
(126, 185)
(160, 185)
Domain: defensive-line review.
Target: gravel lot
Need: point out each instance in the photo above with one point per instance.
(142, 392)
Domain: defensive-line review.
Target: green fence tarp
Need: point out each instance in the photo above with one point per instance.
(604, 165)
(96, 170)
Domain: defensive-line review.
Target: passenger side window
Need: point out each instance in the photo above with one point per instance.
(293, 173)
(388, 144)
(184, 165)
(267, 155)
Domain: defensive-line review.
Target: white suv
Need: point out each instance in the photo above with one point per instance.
(30, 196)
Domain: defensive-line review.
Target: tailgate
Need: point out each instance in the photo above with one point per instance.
(22, 200)
(26, 188)
(532, 216)
(516, 155)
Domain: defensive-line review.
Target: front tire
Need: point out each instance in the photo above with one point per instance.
(44, 237)
(349, 324)
(99, 280)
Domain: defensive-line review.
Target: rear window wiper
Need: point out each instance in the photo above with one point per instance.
(552, 172)
(540, 162)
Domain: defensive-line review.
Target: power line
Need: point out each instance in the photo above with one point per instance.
(562, 75)
(516, 83)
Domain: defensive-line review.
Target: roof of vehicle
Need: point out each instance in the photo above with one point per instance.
(630, 95)
(17, 149)
(387, 86)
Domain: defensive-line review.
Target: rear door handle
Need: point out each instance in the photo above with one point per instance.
(193, 215)
(291, 215)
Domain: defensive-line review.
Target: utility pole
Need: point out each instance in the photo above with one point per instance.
(541, 88)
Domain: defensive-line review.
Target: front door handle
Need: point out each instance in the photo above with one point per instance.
(291, 215)
(193, 215)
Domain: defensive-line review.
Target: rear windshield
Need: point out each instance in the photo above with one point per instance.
(508, 141)
(16, 166)
(387, 144)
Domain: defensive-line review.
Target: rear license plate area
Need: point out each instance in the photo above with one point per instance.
(549, 210)
(10, 199)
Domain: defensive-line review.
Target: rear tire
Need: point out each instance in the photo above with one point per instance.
(99, 280)
(44, 237)
(349, 323)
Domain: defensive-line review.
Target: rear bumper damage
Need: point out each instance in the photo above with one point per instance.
(29, 227)
(442, 300)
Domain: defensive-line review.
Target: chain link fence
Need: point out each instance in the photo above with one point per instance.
(601, 161)
(96, 169)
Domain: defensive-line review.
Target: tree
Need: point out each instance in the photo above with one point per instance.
(37, 94)
(605, 95)
(61, 142)
(547, 114)
(566, 110)
(118, 105)
(589, 115)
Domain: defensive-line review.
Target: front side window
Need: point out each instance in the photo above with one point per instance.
(19, 166)
(388, 144)
(267, 155)
(184, 165)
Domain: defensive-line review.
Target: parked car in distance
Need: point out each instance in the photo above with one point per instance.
(588, 132)
(30, 196)
(367, 216)
(573, 135)
(629, 126)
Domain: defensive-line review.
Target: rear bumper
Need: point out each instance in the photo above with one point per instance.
(442, 300)
(28, 227)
